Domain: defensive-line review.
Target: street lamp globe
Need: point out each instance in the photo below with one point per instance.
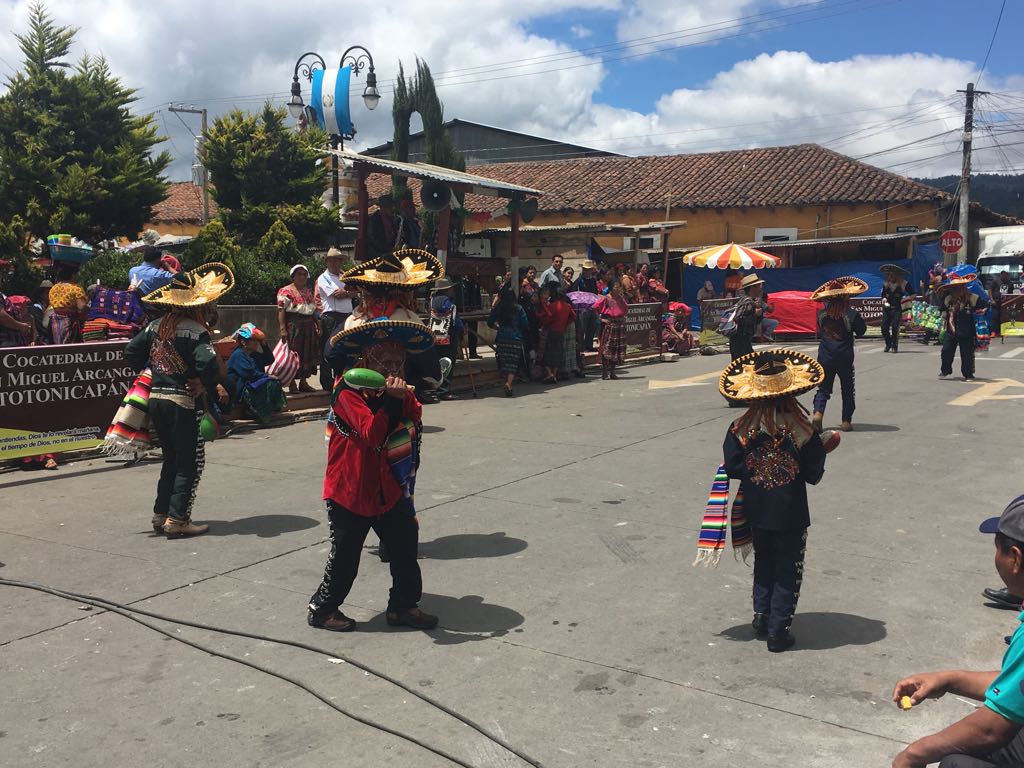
(371, 96)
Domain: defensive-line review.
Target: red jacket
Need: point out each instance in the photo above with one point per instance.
(555, 315)
(358, 475)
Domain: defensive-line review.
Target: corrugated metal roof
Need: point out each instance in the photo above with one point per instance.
(599, 228)
(771, 244)
(480, 184)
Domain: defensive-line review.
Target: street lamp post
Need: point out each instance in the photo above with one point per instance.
(359, 59)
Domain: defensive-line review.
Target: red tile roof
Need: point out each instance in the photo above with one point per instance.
(184, 203)
(802, 174)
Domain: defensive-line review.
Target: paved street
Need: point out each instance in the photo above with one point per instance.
(557, 533)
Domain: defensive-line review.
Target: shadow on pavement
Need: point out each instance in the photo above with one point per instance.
(429, 429)
(822, 631)
(861, 427)
(469, 545)
(264, 526)
(462, 620)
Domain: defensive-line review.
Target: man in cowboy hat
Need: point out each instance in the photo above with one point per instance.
(185, 366)
(370, 423)
(586, 320)
(838, 323)
(334, 299)
(958, 305)
(747, 317)
(894, 289)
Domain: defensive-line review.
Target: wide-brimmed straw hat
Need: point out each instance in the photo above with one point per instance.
(839, 286)
(893, 268)
(334, 253)
(750, 280)
(199, 286)
(405, 268)
(587, 264)
(415, 337)
(959, 275)
(770, 374)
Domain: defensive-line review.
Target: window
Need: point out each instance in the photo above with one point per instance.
(775, 234)
(646, 243)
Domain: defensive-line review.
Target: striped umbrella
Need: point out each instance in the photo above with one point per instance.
(731, 256)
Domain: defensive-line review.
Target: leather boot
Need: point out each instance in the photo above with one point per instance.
(158, 522)
(817, 419)
(847, 426)
(178, 529)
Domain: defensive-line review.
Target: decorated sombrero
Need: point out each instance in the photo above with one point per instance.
(839, 286)
(769, 375)
(415, 337)
(194, 288)
(893, 268)
(963, 274)
(405, 268)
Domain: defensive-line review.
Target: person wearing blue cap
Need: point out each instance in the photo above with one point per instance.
(990, 736)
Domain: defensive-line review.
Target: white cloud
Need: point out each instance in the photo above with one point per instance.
(580, 32)
(221, 55)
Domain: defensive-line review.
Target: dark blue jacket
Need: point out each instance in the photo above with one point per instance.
(836, 345)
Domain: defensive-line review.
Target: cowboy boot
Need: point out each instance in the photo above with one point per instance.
(179, 529)
(817, 419)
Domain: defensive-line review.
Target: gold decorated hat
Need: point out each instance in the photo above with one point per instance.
(839, 286)
(405, 268)
(199, 286)
(415, 337)
(953, 279)
(893, 268)
(770, 374)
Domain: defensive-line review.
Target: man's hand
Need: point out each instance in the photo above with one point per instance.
(222, 395)
(195, 387)
(395, 387)
(929, 685)
(903, 760)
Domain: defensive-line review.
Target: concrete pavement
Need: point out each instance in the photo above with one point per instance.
(557, 530)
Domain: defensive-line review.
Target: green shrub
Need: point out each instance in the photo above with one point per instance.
(110, 268)
(279, 246)
(256, 280)
(213, 243)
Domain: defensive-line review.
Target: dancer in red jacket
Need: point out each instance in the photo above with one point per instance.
(370, 467)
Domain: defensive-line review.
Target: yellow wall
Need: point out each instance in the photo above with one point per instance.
(188, 229)
(714, 227)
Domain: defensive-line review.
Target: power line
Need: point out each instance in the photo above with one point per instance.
(991, 43)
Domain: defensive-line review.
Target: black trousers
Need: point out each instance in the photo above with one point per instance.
(472, 339)
(949, 345)
(398, 531)
(587, 321)
(738, 347)
(891, 318)
(844, 370)
(330, 324)
(184, 456)
(1010, 756)
(778, 574)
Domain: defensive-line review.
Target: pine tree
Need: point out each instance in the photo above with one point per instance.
(263, 172)
(72, 156)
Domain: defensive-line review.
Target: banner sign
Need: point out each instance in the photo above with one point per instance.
(59, 398)
(1011, 317)
(329, 100)
(870, 308)
(643, 325)
(711, 311)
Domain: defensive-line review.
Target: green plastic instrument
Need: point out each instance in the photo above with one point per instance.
(363, 378)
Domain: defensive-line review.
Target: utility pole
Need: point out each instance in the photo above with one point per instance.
(205, 177)
(965, 172)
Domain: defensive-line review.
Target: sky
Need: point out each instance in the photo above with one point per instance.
(873, 79)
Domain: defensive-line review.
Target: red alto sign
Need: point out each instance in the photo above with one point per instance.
(951, 241)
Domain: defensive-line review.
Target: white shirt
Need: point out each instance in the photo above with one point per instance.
(326, 285)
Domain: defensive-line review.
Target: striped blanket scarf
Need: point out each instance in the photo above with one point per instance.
(128, 434)
(717, 518)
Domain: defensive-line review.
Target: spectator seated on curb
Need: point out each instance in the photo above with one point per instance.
(260, 395)
(991, 735)
(675, 330)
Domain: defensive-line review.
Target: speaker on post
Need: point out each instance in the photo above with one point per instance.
(528, 210)
(435, 195)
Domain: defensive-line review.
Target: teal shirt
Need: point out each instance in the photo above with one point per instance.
(1006, 694)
